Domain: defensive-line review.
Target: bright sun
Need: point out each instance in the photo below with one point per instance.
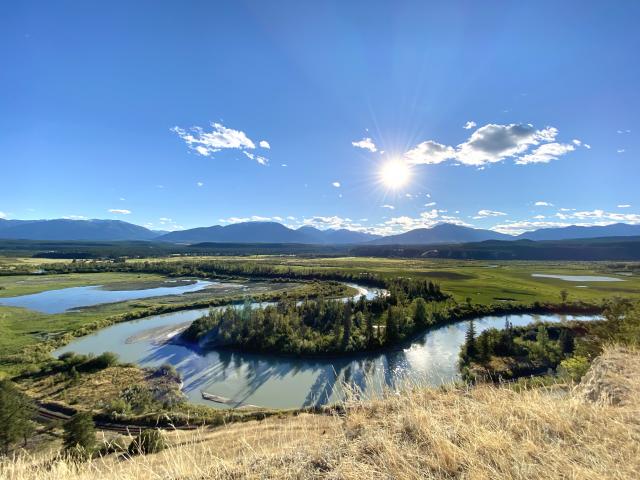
(395, 174)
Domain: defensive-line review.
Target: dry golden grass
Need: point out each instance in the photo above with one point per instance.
(95, 390)
(477, 433)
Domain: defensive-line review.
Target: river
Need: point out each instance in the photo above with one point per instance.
(289, 382)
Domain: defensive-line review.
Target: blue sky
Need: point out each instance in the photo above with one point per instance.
(184, 114)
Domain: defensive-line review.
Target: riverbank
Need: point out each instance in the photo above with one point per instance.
(22, 351)
(448, 315)
(480, 432)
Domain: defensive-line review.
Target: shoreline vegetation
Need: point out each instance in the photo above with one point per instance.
(329, 329)
(365, 331)
(562, 350)
(34, 355)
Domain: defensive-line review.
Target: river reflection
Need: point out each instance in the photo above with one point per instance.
(283, 382)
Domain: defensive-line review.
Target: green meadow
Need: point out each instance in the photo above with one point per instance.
(467, 281)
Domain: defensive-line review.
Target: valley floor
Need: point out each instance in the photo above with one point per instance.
(589, 432)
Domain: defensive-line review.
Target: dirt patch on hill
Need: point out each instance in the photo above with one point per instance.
(613, 378)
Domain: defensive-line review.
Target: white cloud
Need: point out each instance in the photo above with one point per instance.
(72, 217)
(603, 215)
(252, 218)
(626, 205)
(521, 226)
(545, 153)
(493, 143)
(539, 217)
(576, 142)
(165, 219)
(3, 215)
(426, 219)
(257, 158)
(122, 199)
(336, 184)
(587, 146)
(543, 204)
(488, 213)
(624, 131)
(119, 211)
(390, 207)
(621, 150)
(219, 138)
(430, 152)
(200, 184)
(430, 204)
(366, 143)
(284, 165)
(469, 125)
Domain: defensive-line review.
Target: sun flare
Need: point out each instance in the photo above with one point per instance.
(395, 174)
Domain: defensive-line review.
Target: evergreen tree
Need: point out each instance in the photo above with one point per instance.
(80, 435)
(369, 330)
(566, 341)
(346, 325)
(564, 295)
(391, 331)
(420, 316)
(484, 349)
(470, 340)
(16, 415)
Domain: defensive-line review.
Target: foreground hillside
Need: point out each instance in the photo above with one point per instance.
(591, 432)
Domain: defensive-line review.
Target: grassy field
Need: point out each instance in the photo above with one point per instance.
(483, 282)
(11, 286)
(21, 328)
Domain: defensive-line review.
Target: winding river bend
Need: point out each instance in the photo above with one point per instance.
(288, 382)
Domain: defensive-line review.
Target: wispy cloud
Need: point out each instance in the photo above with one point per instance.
(430, 204)
(488, 213)
(469, 125)
(626, 205)
(494, 143)
(425, 219)
(336, 184)
(75, 217)
(119, 211)
(521, 226)
(261, 160)
(545, 153)
(219, 138)
(200, 184)
(543, 204)
(365, 143)
(3, 215)
(390, 207)
(253, 218)
(600, 215)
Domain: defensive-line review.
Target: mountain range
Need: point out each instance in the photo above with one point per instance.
(65, 229)
(273, 232)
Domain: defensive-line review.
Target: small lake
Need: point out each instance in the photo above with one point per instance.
(578, 278)
(288, 382)
(61, 300)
